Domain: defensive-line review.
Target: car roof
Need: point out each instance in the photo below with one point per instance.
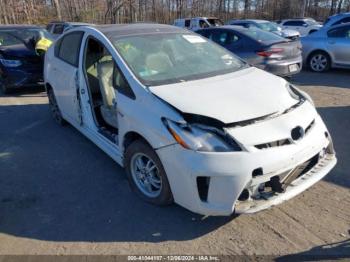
(231, 27)
(2, 27)
(340, 15)
(120, 30)
(70, 23)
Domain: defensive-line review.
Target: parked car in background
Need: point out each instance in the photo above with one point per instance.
(20, 65)
(304, 26)
(197, 23)
(266, 26)
(56, 28)
(337, 19)
(327, 48)
(189, 121)
(259, 48)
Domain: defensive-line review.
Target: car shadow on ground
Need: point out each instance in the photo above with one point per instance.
(57, 185)
(335, 77)
(330, 252)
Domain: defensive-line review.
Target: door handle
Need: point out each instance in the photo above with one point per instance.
(331, 42)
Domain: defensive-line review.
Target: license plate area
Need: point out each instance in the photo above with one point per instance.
(293, 68)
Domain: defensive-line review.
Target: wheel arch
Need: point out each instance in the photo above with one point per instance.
(131, 136)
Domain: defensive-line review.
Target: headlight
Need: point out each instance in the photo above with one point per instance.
(10, 63)
(201, 138)
(298, 94)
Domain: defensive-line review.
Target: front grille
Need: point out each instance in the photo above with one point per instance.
(277, 143)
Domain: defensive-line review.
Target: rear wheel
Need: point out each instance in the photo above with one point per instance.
(55, 111)
(146, 174)
(319, 62)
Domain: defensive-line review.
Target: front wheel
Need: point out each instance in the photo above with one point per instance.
(146, 175)
(319, 62)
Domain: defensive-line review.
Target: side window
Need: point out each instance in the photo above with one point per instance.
(343, 21)
(341, 32)
(219, 37)
(57, 47)
(294, 23)
(232, 38)
(49, 27)
(58, 29)
(69, 48)
(187, 23)
(203, 24)
(121, 84)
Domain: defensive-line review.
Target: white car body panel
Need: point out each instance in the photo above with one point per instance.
(223, 98)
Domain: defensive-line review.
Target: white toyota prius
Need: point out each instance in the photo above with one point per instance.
(190, 122)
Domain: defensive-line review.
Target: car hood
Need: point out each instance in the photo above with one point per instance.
(244, 95)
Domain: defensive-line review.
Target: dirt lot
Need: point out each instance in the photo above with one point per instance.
(60, 194)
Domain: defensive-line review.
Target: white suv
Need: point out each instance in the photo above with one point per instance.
(304, 26)
(189, 121)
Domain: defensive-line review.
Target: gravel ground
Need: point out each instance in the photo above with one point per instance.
(60, 194)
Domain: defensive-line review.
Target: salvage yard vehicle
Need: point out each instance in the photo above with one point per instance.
(266, 26)
(259, 48)
(304, 26)
(328, 48)
(20, 65)
(56, 28)
(189, 121)
(197, 23)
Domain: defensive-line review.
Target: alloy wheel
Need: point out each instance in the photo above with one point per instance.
(145, 174)
(319, 63)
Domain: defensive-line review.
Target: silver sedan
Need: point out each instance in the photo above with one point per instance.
(327, 48)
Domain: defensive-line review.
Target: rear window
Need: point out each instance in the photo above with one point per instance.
(343, 21)
(263, 36)
(69, 47)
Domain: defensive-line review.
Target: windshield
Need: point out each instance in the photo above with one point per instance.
(6, 39)
(263, 36)
(28, 33)
(267, 26)
(215, 22)
(170, 58)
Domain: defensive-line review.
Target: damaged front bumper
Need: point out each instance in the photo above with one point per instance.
(213, 183)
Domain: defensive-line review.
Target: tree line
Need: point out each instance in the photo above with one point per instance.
(162, 11)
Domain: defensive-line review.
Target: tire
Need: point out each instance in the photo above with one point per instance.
(319, 62)
(55, 111)
(157, 191)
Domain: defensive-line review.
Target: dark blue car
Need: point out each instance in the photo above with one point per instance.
(20, 65)
(259, 48)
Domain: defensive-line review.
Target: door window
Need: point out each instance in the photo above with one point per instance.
(224, 37)
(121, 84)
(69, 47)
(341, 32)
